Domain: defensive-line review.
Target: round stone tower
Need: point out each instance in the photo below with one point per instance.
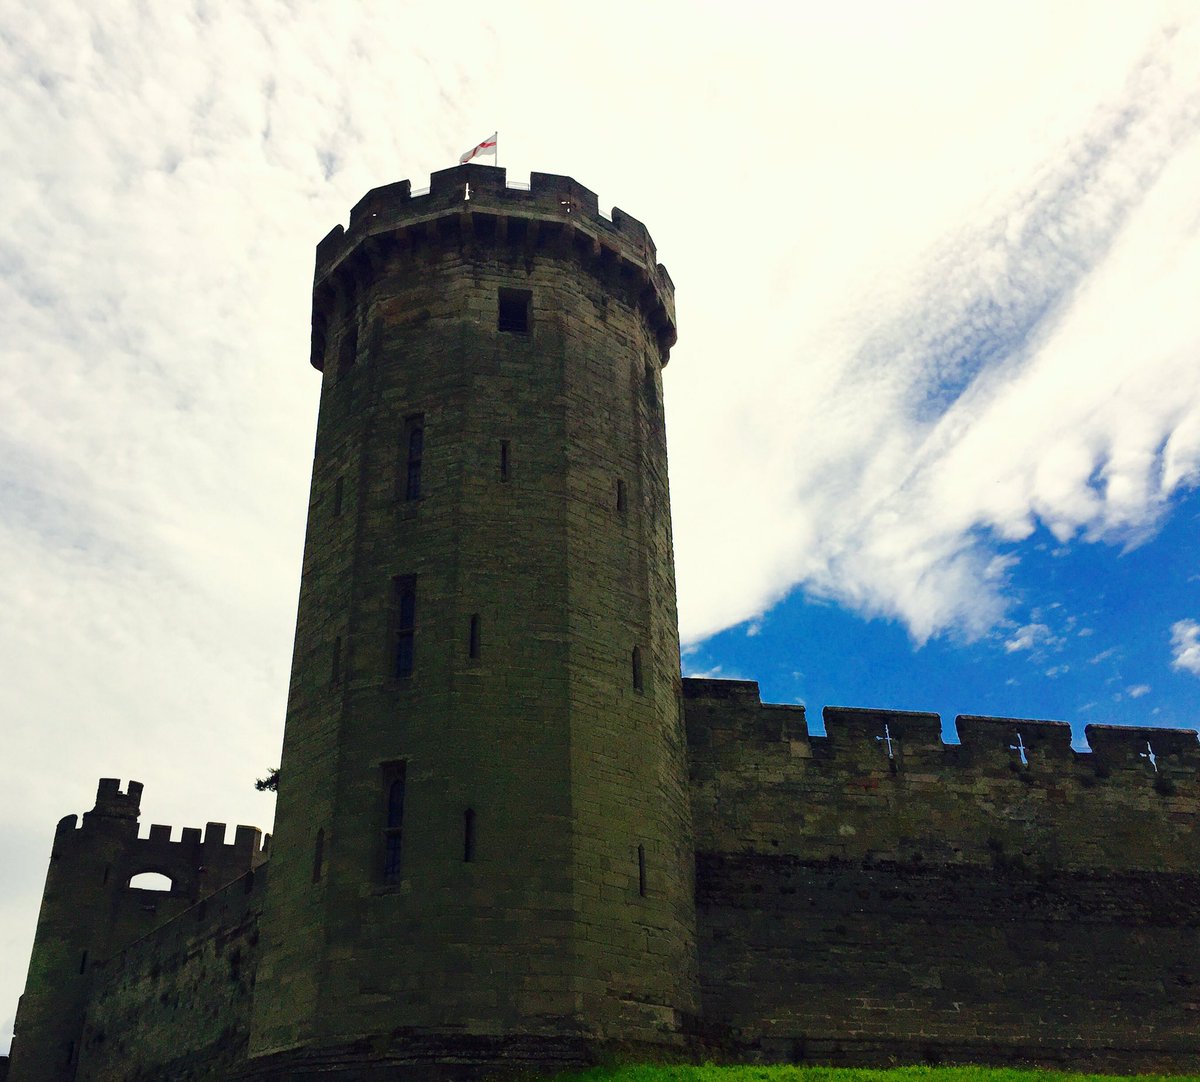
(483, 847)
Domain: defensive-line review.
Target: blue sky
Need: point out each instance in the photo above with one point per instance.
(934, 414)
(1097, 648)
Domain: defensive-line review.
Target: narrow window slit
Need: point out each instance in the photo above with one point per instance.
(650, 386)
(338, 487)
(318, 855)
(335, 666)
(414, 452)
(469, 835)
(504, 460)
(404, 616)
(473, 642)
(622, 498)
(636, 665)
(393, 822)
(83, 962)
(349, 352)
(642, 870)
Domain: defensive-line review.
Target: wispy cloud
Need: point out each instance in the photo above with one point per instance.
(1006, 381)
(1185, 646)
(1027, 637)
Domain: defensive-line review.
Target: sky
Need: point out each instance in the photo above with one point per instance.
(933, 416)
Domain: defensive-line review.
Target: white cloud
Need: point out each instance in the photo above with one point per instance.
(1137, 691)
(1038, 368)
(1027, 637)
(1185, 646)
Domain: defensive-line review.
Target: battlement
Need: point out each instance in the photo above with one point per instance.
(202, 859)
(475, 202)
(720, 710)
(111, 801)
(248, 841)
(884, 783)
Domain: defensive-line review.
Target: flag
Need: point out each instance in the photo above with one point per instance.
(488, 146)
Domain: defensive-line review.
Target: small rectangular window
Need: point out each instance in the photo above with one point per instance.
(403, 624)
(473, 640)
(469, 835)
(622, 499)
(413, 451)
(642, 870)
(318, 856)
(650, 387)
(348, 353)
(504, 460)
(636, 665)
(514, 307)
(338, 487)
(393, 819)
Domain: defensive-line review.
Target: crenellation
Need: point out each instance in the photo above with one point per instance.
(847, 727)
(1001, 740)
(379, 200)
(630, 227)
(247, 839)
(111, 802)
(554, 192)
(555, 214)
(1120, 747)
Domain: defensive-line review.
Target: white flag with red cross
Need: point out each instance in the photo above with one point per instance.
(488, 146)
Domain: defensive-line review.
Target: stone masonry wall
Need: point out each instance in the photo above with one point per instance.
(176, 1004)
(91, 911)
(539, 852)
(946, 902)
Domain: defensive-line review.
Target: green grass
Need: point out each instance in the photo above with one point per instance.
(710, 1073)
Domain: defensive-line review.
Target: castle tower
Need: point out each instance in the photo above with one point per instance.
(93, 906)
(72, 932)
(483, 842)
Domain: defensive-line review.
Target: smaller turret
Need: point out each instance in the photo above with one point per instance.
(91, 910)
(111, 803)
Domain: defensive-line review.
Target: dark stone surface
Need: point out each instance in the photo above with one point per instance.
(853, 962)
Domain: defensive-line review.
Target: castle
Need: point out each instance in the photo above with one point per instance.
(509, 836)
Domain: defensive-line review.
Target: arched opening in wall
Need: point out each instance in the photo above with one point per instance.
(150, 881)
